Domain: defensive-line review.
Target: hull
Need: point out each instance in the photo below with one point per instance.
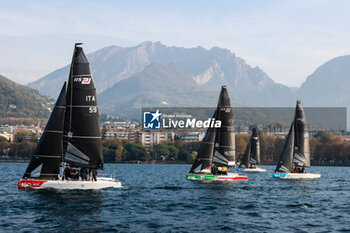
(257, 169)
(102, 182)
(296, 175)
(210, 177)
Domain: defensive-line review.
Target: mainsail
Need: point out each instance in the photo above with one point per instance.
(284, 164)
(255, 144)
(252, 153)
(302, 146)
(45, 162)
(225, 137)
(204, 157)
(245, 163)
(82, 138)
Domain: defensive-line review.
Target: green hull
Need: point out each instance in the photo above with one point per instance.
(211, 177)
(200, 177)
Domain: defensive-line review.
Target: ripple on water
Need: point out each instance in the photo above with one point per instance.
(151, 200)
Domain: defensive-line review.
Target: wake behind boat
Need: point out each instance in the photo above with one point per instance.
(251, 155)
(217, 150)
(295, 156)
(70, 149)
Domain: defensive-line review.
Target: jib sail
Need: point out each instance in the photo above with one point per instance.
(284, 164)
(204, 159)
(45, 162)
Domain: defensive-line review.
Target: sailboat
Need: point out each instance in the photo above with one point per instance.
(217, 150)
(251, 155)
(295, 156)
(71, 137)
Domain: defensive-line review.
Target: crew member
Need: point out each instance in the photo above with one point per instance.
(66, 173)
(74, 174)
(224, 170)
(83, 173)
(93, 174)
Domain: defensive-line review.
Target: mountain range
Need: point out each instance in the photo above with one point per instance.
(155, 74)
(328, 85)
(21, 101)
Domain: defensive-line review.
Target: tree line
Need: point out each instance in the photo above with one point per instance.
(325, 149)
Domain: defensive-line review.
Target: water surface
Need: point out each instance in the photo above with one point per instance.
(158, 198)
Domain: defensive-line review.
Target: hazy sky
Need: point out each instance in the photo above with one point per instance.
(286, 39)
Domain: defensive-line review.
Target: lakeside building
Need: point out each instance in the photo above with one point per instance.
(191, 136)
(149, 138)
(122, 133)
(242, 129)
(345, 138)
(277, 130)
(123, 124)
(9, 131)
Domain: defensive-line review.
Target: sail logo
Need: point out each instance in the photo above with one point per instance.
(151, 120)
(86, 81)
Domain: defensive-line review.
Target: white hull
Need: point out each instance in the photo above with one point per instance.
(257, 169)
(292, 176)
(101, 183)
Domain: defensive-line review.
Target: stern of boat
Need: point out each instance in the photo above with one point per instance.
(30, 184)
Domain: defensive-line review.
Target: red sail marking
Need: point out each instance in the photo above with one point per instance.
(86, 81)
(23, 184)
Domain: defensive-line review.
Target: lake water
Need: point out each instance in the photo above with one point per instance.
(158, 198)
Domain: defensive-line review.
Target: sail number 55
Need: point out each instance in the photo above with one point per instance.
(92, 109)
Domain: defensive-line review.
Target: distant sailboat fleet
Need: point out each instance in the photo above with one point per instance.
(71, 141)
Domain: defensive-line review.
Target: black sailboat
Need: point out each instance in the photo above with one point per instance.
(251, 155)
(217, 150)
(295, 156)
(72, 135)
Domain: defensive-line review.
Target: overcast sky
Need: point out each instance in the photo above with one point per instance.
(286, 39)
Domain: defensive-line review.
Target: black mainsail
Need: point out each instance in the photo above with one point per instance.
(302, 146)
(285, 162)
(224, 154)
(255, 156)
(296, 149)
(82, 137)
(204, 158)
(45, 162)
(246, 157)
(251, 155)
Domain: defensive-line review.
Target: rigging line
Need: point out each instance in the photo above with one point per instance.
(63, 107)
(82, 106)
(66, 136)
(53, 131)
(82, 75)
(47, 156)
